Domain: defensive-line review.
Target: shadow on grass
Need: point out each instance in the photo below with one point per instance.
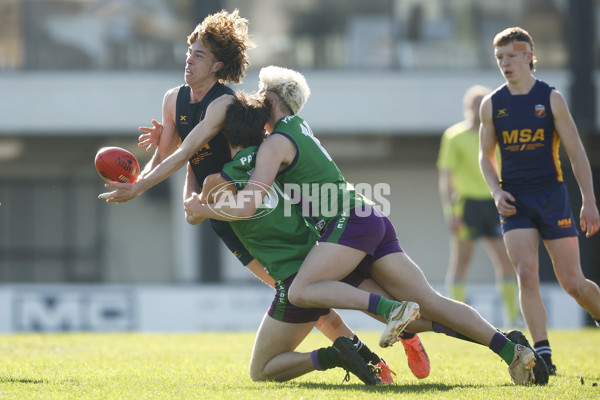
(423, 387)
(10, 379)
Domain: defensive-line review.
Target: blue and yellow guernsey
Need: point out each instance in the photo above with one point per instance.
(528, 142)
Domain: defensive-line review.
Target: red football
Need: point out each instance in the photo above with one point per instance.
(115, 164)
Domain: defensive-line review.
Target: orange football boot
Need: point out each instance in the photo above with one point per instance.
(418, 360)
(385, 373)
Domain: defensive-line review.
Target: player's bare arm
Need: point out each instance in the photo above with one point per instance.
(190, 187)
(215, 186)
(191, 184)
(448, 198)
(211, 125)
(274, 154)
(164, 136)
(151, 138)
(260, 272)
(487, 160)
(152, 135)
(589, 218)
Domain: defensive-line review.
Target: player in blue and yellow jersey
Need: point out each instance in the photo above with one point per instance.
(469, 208)
(351, 230)
(528, 119)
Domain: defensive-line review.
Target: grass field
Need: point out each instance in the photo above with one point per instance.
(215, 366)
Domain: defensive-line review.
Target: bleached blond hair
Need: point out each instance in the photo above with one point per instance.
(289, 85)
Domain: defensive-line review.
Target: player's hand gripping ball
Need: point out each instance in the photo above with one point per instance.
(115, 164)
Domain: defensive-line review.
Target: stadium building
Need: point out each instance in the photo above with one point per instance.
(387, 78)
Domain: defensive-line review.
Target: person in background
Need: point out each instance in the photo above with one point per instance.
(469, 208)
(528, 120)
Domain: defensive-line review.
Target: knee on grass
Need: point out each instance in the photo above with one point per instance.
(257, 377)
(257, 374)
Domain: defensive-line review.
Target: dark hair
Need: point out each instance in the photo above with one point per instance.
(245, 120)
(516, 34)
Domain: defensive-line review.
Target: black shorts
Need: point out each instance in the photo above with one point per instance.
(228, 236)
(481, 218)
(282, 310)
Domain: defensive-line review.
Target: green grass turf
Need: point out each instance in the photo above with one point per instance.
(215, 366)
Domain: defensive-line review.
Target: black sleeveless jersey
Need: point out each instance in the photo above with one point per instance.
(210, 158)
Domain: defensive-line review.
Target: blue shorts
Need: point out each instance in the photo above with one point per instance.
(548, 211)
(228, 236)
(282, 310)
(366, 229)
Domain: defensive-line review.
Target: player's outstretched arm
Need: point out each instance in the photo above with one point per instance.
(215, 188)
(189, 188)
(273, 154)
(165, 134)
(260, 272)
(211, 125)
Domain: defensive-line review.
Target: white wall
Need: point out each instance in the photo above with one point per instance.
(409, 102)
(190, 308)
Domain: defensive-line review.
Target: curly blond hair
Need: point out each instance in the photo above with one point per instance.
(289, 85)
(226, 35)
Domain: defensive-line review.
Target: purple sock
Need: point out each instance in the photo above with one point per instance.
(498, 342)
(315, 361)
(439, 328)
(373, 303)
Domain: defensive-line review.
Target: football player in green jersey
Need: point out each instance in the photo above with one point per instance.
(280, 243)
(279, 237)
(193, 116)
(293, 156)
